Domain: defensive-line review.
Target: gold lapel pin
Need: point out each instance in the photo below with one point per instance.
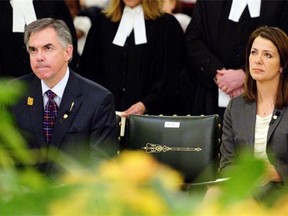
(30, 101)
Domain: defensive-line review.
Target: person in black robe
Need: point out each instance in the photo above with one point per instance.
(143, 76)
(14, 58)
(215, 42)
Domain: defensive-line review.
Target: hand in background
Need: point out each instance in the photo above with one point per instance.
(271, 175)
(230, 80)
(137, 109)
(236, 92)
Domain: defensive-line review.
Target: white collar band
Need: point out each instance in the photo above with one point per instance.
(131, 19)
(23, 13)
(238, 6)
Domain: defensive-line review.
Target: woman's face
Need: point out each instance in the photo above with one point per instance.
(264, 60)
(132, 3)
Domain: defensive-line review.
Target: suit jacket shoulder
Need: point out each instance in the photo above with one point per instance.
(85, 126)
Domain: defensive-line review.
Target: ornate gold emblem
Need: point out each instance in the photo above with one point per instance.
(156, 148)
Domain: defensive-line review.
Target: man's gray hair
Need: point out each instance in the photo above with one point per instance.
(59, 26)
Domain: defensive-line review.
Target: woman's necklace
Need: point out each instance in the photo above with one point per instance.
(263, 110)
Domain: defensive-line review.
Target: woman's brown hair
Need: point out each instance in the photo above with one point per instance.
(280, 40)
(151, 8)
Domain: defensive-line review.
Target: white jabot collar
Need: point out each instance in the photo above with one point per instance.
(238, 6)
(131, 19)
(23, 13)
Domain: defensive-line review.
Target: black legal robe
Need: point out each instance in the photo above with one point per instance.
(14, 59)
(147, 72)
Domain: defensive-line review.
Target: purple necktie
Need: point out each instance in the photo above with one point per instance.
(50, 115)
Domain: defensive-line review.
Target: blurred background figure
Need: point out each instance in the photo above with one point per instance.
(174, 7)
(95, 3)
(82, 23)
(91, 8)
(216, 39)
(138, 53)
(187, 6)
(14, 15)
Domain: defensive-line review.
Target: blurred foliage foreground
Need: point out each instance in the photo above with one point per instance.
(133, 183)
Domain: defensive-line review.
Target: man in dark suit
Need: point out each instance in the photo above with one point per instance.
(14, 15)
(85, 126)
(216, 39)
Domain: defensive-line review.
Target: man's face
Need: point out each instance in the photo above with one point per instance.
(48, 58)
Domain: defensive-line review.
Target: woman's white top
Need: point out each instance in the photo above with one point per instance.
(261, 131)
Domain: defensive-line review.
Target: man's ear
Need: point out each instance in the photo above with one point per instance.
(69, 52)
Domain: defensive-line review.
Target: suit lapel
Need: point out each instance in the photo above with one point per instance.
(276, 118)
(36, 111)
(250, 119)
(70, 104)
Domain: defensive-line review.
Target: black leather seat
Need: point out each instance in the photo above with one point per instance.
(189, 144)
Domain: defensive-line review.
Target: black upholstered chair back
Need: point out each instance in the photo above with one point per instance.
(189, 144)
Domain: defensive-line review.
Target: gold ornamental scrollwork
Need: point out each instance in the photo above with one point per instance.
(157, 148)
